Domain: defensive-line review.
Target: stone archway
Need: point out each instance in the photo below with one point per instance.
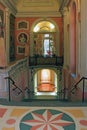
(56, 31)
(45, 82)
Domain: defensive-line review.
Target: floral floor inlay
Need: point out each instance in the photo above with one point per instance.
(43, 118)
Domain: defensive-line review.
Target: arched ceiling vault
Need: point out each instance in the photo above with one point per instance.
(38, 7)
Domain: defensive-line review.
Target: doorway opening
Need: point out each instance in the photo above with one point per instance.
(45, 82)
(45, 39)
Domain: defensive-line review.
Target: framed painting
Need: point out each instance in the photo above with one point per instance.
(23, 25)
(22, 38)
(20, 49)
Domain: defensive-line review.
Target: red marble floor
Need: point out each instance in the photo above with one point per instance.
(46, 87)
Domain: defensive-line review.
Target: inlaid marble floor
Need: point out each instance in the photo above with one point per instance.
(42, 118)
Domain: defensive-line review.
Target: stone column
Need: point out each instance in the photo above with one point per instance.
(83, 44)
(66, 37)
(7, 34)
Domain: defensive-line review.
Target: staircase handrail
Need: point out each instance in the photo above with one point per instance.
(75, 86)
(28, 90)
(16, 87)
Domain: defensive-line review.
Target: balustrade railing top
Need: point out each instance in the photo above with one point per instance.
(41, 60)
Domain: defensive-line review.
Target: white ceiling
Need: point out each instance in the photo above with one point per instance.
(38, 7)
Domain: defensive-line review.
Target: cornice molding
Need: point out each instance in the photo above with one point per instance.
(9, 5)
(39, 14)
(64, 4)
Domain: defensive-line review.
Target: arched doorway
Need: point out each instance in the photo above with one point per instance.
(45, 42)
(44, 32)
(45, 82)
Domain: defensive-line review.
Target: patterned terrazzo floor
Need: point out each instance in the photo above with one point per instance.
(43, 118)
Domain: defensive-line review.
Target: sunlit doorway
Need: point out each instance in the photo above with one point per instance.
(45, 39)
(45, 82)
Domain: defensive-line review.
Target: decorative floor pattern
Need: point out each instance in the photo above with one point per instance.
(43, 118)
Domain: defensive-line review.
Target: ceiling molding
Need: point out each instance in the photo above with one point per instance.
(36, 3)
(64, 4)
(36, 8)
(9, 5)
(39, 14)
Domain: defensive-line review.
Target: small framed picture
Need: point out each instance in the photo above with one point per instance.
(23, 25)
(22, 38)
(20, 49)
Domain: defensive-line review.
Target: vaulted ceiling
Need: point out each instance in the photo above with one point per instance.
(38, 7)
